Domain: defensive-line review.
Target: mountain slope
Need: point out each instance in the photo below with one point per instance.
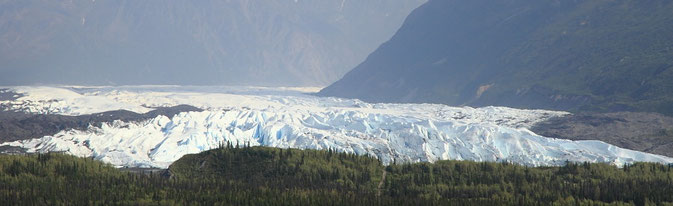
(641, 131)
(565, 55)
(279, 42)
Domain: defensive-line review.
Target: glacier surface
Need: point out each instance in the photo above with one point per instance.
(288, 118)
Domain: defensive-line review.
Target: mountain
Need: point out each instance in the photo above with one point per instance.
(601, 55)
(232, 42)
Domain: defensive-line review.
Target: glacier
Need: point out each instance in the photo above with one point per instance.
(290, 118)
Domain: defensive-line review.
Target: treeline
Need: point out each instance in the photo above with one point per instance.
(282, 168)
(511, 184)
(273, 176)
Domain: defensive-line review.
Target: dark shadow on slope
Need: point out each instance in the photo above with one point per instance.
(20, 126)
(7, 95)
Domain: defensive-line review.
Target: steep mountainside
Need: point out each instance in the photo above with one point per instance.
(234, 42)
(565, 55)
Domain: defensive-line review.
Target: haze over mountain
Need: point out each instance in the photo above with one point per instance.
(233, 42)
(564, 55)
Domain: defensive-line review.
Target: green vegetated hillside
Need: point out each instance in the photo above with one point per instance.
(603, 55)
(272, 176)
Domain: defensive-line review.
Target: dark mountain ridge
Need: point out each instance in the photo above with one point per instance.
(562, 55)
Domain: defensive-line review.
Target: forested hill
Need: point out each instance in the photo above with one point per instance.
(273, 176)
(603, 55)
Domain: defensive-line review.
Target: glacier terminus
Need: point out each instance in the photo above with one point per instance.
(292, 118)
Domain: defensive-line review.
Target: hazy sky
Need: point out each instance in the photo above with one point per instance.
(267, 43)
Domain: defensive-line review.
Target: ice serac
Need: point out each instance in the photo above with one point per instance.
(391, 132)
